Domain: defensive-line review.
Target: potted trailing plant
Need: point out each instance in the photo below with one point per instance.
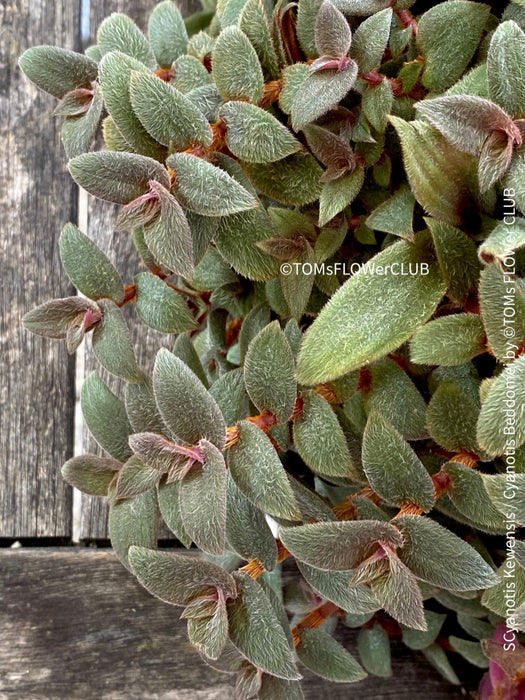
(328, 200)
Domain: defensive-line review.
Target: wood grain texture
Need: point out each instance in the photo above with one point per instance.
(122, 644)
(120, 249)
(37, 198)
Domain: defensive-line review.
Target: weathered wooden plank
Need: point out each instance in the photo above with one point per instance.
(75, 625)
(120, 248)
(37, 198)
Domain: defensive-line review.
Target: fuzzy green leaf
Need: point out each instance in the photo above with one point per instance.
(186, 407)
(256, 631)
(449, 340)
(370, 40)
(136, 477)
(502, 302)
(437, 556)
(319, 438)
(441, 177)
(418, 639)
(452, 417)
(338, 194)
(203, 500)
(106, 418)
(335, 586)
(507, 494)
(457, 258)
(112, 344)
(448, 35)
(395, 215)
(169, 505)
(292, 180)
(247, 531)
(505, 66)
(400, 595)
(306, 18)
(320, 652)
(79, 132)
(254, 23)
(495, 424)
(236, 68)
(393, 468)
(371, 314)
(176, 578)
(118, 32)
(338, 546)
(259, 474)
(169, 236)
(320, 92)
(116, 177)
(255, 135)
(205, 189)
(115, 75)
(52, 319)
(58, 71)
(269, 373)
(90, 474)
(374, 649)
(209, 635)
(87, 266)
(167, 33)
(236, 239)
(133, 522)
(503, 239)
(141, 408)
(167, 114)
(467, 492)
(390, 387)
(161, 307)
(332, 33)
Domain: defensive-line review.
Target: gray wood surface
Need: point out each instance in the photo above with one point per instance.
(74, 625)
(37, 197)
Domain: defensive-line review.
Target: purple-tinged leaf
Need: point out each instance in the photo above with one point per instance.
(332, 32)
(91, 474)
(53, 318)
(177, 578)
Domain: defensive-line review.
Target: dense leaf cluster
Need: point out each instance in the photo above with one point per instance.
(357, 425)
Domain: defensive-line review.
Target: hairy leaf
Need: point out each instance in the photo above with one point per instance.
(161, 307)
(87, 266)
(319, 438)
(370, 40)
(167, 33)
(256, 631)
(437, 556)
(505, 65)
(177, 578)
(393, 468)
(106, 417)
(118, 32)
(133, 522)
(332, 32)
(338, 546)
(116, 177)
(371, 314)
(205, 189)
(203, 500)
(58, 71)
(269, 373)
(236, 68)
(374, 649)
(112, 343)
(186, 407)
(448, 35)
(167, 114)
(255, 135)
(259, 474)
(90, 473)
(495, 423)
(449, 340)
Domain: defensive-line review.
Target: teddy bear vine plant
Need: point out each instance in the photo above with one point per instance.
(328, 198)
